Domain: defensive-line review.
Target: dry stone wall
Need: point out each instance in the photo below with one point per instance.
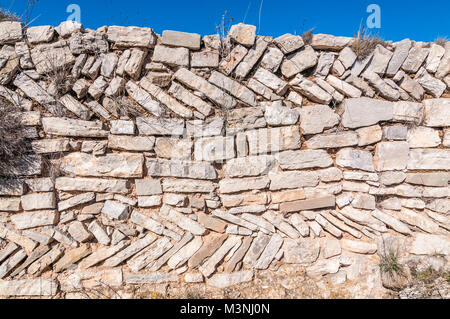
(182, 159)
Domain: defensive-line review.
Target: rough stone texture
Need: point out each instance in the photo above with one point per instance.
(283, 154)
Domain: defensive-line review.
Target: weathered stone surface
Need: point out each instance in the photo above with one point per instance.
(115, 210)
(299, 62)
(343, 87)
(429, 159)
(149, 126)
(252, 57)
(249, 166)
(229, 63)
(277, 114)
(228, 186)
(183, 222)
(147, 256)
(390, 156)
(392, 222)
(10, 31)
(188, 186)
(359, 247)
(269, 252)
(38, 201)
(271, 80)
(185, 96)
(223, 281)
(184, 254)
(421, 137)
(182, 169)
(34, 219)
(415, 219)
(363, 218)
(272, 59)
(400, 54)
(131, 36)
(366, 112)
(71, 257)
(212, 223)
(204, 59)
(244, 119)
(334, 140)
(316, 118)
(311, 90)
(213, 149)
(424, 244)
(289, 43)
(130, 251)
(428, 179)
(444, 66)
(308, 204)
(291, 160)
(324, 267)
(145, 100)
(181, 39)
(91, 185)
(437, 112)
(75, 128)
(355, 159)
(244, 34)
(234, 219)
(415, 59)
(131, 143)
(209, 267)
(233, 87)
(273, 140)
(152, 278)
(40, 34)
(330, 42)
(292, 180)
(48, 57)
(431, 85)
(49, 146)
(195, 82)
(111, 165)
(29, 287)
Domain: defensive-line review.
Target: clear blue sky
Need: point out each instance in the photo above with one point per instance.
(419, 20)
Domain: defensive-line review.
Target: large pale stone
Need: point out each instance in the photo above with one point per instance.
(408, 112)
(424, 244)
(68, 184)
(334, 140)
(171, 56)
(308, 204)
(181, 39)
(212, 149)
(205, 59)
(289, 43)
(272, 59)
(182, 169)
(291, 160)
(160, 126)
(244, 119)
(273, 140)
(228, 186)
(212, 92)
(10, 31)
(391, 156)
(229, 63)
(29, 287)
(188, 186)
(111, 165)
(364, 111)
(392, 222)
(311, 90)
(292, 180)
(437, 112)
(38, 201)
(330, 42)
(131, 36)
(244, 34)
(51, 57)
(444, 66)
(252, 57)
(315, 118)
(236, 89)
(75, 128)
(363, 218)
(278, 114)
(416, 219)
(249, 166)
(299, 62)
(343, 87)
(415, 59)
(400, 54)
(271, 80)
(269, 252)
(428, 179)
(34, 219)
(429, 159)
(144, 99)
(421, 137)
(146, 222)
(131, 143)
(190, 99)
(359, 247)
(356, 159)
(115, 210)
(223, 281)
(172, 148)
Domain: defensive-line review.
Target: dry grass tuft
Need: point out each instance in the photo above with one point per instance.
(441, 41)
(307, 36)
(14, 143)
(222, 30)
(365, 43)
(5, 15)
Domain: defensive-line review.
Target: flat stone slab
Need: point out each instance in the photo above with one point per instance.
(181, 39)
(361, 112)
(112, 165)
(29, 287)
(308, 204)
(227, 280)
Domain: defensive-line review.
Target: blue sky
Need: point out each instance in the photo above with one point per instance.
(415, 19)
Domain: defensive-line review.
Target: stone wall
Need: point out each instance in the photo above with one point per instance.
(181, 159)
